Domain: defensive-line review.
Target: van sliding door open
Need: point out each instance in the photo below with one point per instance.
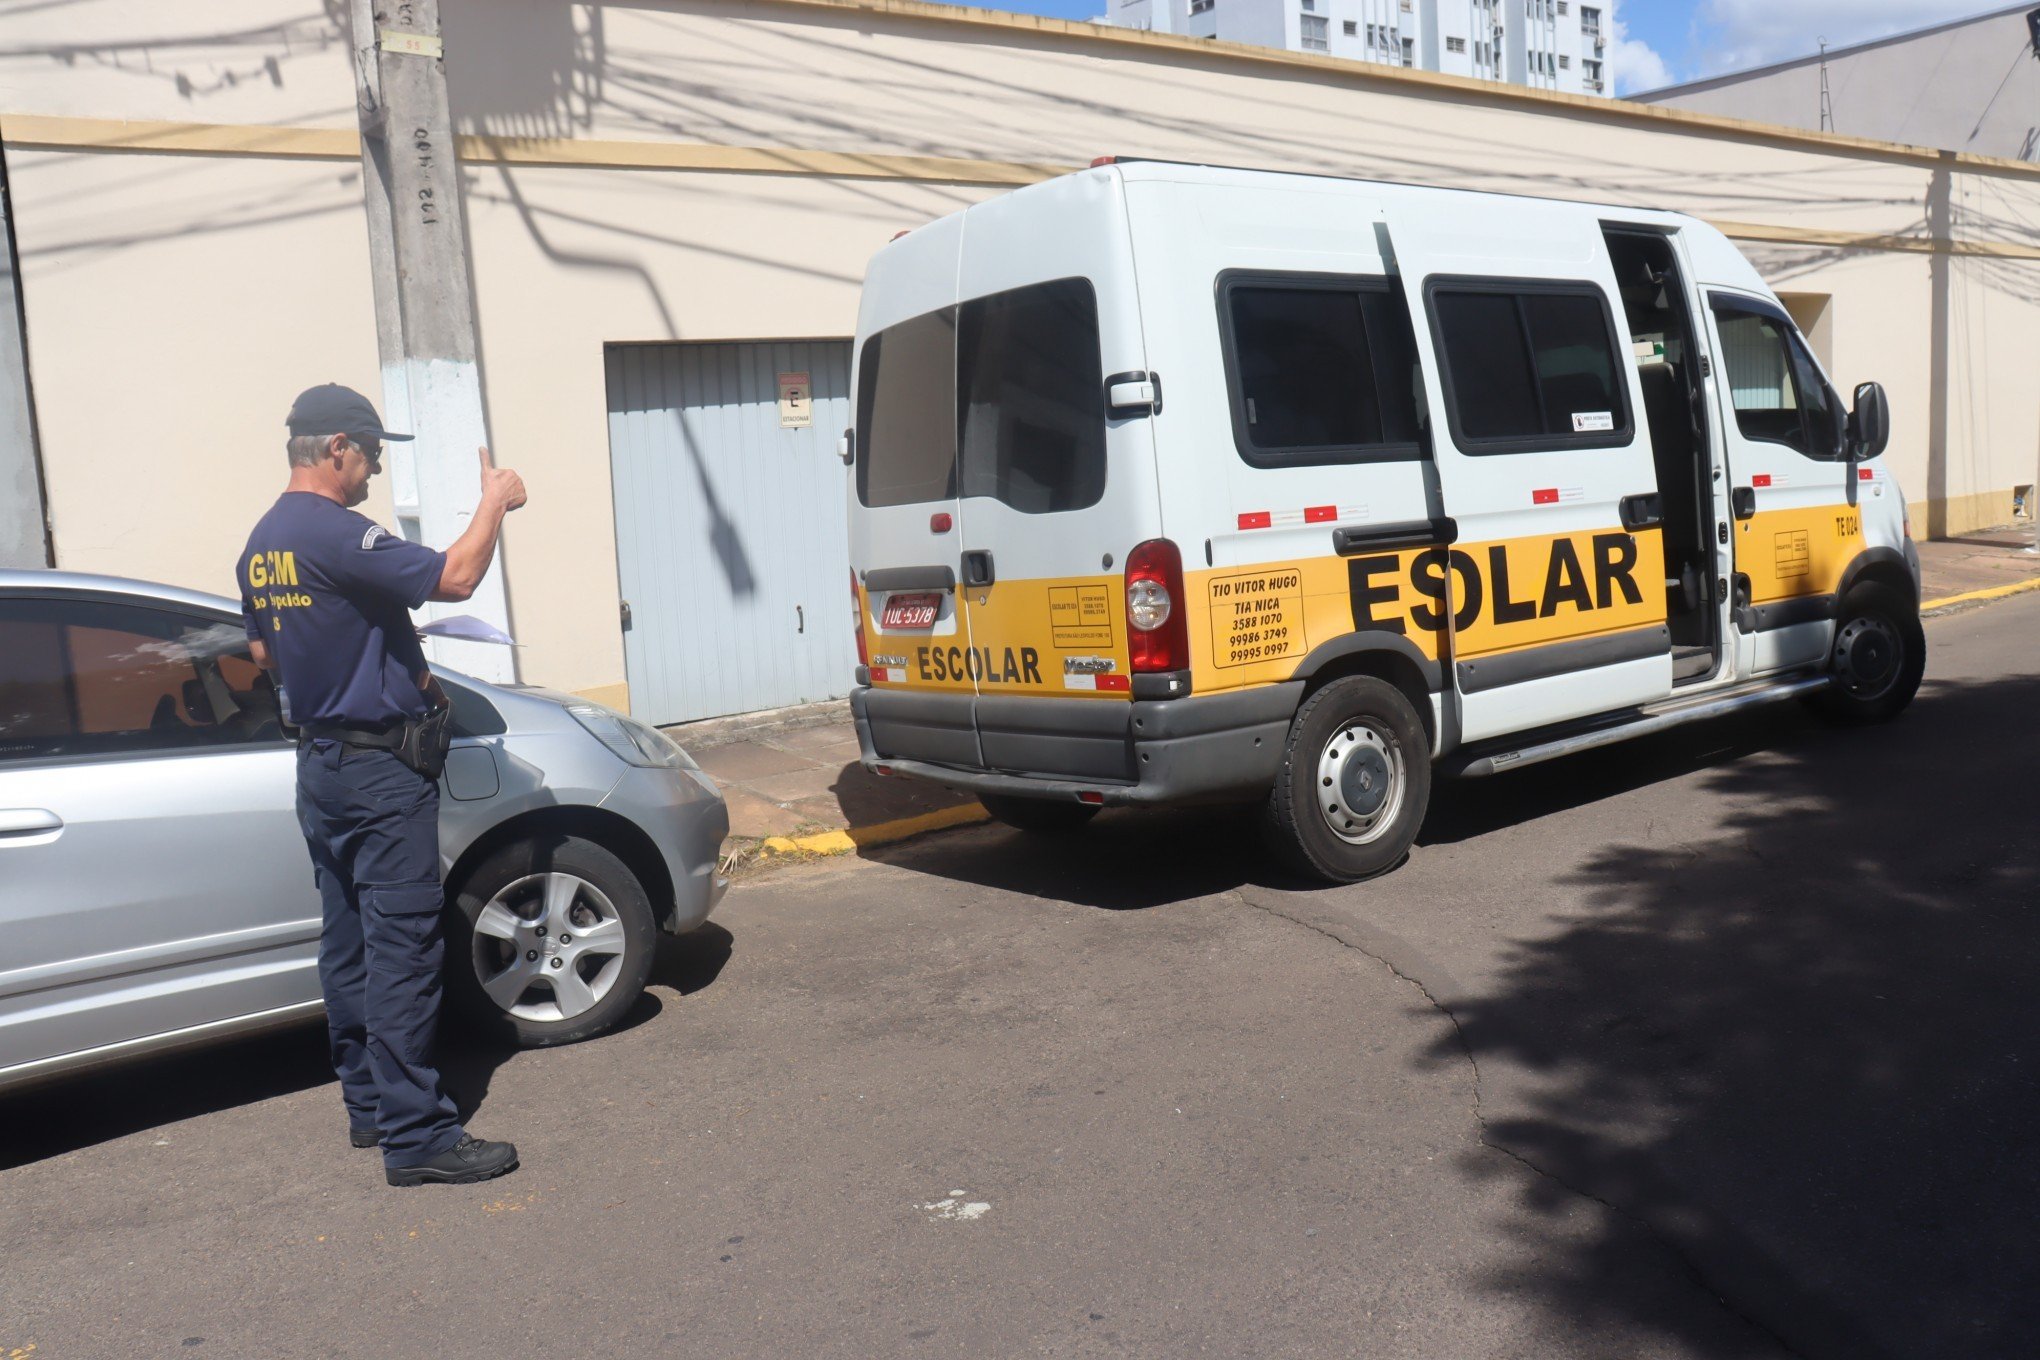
(1555, 580)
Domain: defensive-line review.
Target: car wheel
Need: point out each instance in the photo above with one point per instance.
(1354, 783)
(1040, 815)
(551, 938)
(1879, 655)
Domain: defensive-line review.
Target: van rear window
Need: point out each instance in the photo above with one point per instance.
(1002, 397)
(1529, 365)
(1322, 369)
(906, 412)
(1033, 397)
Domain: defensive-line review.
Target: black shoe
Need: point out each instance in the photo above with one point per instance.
(471, 1159)
(364, 1138)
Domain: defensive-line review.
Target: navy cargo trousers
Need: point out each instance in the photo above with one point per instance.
(372, 825)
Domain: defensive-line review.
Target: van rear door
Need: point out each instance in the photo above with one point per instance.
(1056, 485)
(1555, 585)
(903, 523)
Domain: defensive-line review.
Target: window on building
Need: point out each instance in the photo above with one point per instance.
(1314, 33)
(1351, 28)
(1455, 44)
(1320, 369)
(1778, 392)
(1561, 8)
(1529, 365)
(1201, 6)
(1591, 68)
(1590, 21)
(1564, 62)
(89, 677)
(1309, 5)
(1409, 51)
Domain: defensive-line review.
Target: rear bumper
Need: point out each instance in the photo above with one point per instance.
(1197, 748)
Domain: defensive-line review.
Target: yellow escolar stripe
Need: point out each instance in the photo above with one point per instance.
(1993, 593)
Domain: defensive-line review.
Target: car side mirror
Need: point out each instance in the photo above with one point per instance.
(1869, 423)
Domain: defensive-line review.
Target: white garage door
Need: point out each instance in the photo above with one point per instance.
(730, 537)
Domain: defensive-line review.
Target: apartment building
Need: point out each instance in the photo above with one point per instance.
(1543, 44)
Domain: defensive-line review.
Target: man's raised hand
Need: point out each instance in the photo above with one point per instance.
(501, 485)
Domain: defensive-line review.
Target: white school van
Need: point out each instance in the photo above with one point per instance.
(1174, 483)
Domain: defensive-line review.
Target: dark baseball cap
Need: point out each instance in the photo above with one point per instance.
(333, 409)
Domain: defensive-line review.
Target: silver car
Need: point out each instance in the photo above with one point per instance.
(154, 886)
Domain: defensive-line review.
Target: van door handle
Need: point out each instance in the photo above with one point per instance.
(18, 824)
(1743, 500)
(1642, 512)
(977, 568)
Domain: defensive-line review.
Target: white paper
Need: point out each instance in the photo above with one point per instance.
(467, 628)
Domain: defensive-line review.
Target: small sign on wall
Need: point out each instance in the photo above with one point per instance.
(796, 401)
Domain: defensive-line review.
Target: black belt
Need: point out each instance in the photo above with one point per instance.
(384, 739)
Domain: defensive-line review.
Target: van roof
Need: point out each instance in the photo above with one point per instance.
(1198, 172)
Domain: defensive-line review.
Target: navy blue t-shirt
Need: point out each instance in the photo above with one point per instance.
(329, 592)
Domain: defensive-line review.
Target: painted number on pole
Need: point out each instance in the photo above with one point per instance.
(796, 401)
(412, 44)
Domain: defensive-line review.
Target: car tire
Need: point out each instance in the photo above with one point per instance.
(1042, 816)
(535, 892)
(1878, 657)
(1354, 783)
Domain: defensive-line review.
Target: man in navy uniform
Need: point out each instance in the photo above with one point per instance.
(327, 595)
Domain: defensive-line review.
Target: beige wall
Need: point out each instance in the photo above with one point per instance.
(206, 289)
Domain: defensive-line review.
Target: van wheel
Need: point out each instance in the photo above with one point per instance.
(1354, 783)
(1879, 655)
(1042, 816)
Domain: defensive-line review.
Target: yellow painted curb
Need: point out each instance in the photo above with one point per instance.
(879, 833)
(1993, 593)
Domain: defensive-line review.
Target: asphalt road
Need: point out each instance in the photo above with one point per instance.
(1718, 1045)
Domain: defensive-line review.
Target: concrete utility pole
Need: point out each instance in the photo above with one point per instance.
(24, 537)
(424, 310)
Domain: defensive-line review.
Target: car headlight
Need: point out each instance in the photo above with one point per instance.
(634, 743)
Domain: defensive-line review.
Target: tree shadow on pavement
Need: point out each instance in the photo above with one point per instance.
(1799, 1042)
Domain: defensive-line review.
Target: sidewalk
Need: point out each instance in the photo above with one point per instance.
(794, 786)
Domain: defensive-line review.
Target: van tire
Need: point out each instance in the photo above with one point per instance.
(1877, 629)
(1042, 816)
(1353, 742)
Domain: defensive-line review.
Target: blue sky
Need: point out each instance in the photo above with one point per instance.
(1659, 42)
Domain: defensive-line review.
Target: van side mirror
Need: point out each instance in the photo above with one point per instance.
(1869, 423)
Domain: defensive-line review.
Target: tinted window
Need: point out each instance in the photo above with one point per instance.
(1530, 366)
(906, 412)
(1779, 396)
(1321, 371)
(1033, 418)
(80, 677)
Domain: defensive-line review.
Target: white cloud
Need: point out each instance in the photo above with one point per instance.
(1732, 35)
(1634, 63)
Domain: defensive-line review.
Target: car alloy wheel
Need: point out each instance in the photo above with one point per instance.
(548, 947)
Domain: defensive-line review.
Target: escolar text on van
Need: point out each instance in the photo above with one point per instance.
(1174, 483)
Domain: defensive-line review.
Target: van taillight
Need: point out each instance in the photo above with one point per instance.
(857, 619)
(1155, 632)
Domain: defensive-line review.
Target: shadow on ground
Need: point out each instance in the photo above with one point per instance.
(115, 1102)
(1802, 1045)
(1797, 1039)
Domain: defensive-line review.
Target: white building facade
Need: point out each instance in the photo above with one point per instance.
(1559, 45)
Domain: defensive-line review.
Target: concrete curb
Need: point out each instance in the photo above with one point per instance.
(880, 833)
(1980, 596)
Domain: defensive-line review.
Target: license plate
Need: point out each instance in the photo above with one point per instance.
(910, 611)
